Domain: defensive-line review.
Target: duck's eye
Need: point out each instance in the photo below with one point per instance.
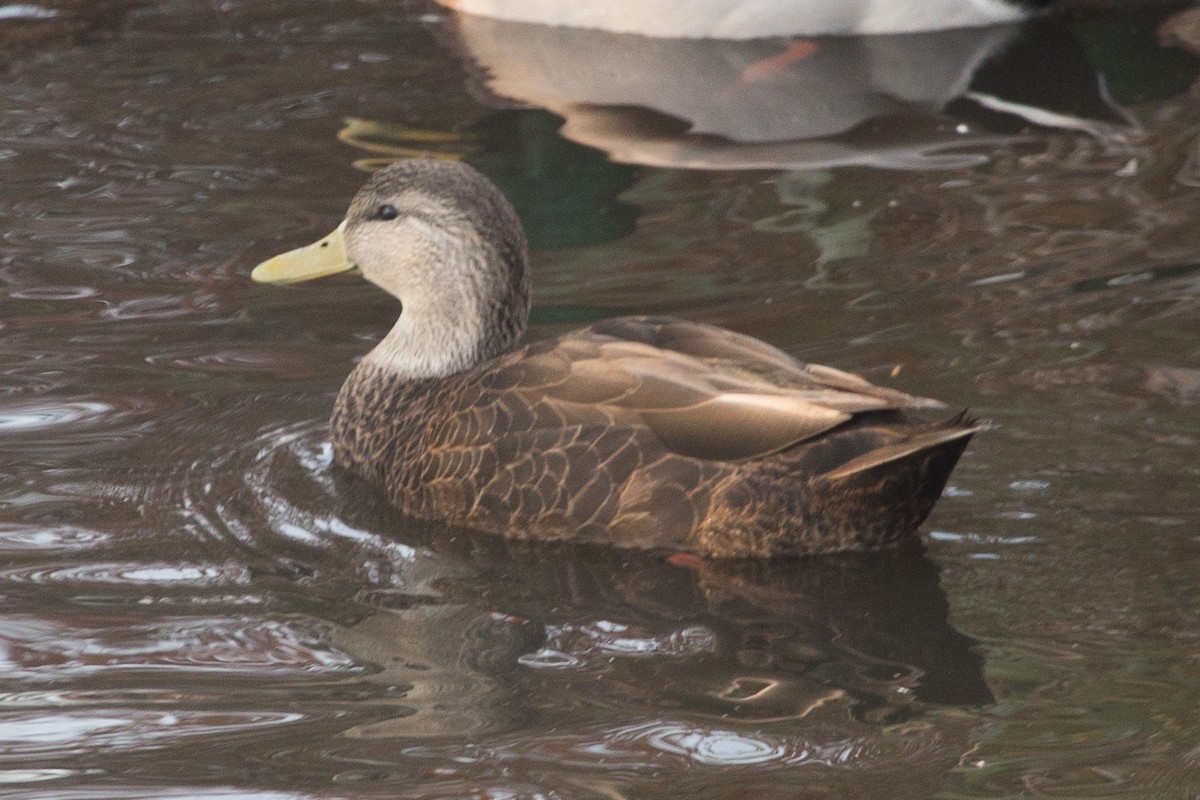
(386, 212)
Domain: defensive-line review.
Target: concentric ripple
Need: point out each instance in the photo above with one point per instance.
(28, 734)
(275, 495)
(675, 745)
(34, 416)
(32, 648)
(59, 428)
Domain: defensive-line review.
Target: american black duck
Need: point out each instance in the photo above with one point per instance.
(643, 432)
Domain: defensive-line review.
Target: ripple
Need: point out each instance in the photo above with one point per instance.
(239, 360)
(23, 735)
(606, 638)
(35, 416)
(54, 293)
(151, 307)
(447, 782)
(547, 658)
(27, 373)
(35, 648)
(27, 537)
(59, 429)
(180, 792)
(26, 11)
(662, 744)
(979, 538)
(133, 574)
(12, 776)
(712, 746)
(275, 494)
(718, 747)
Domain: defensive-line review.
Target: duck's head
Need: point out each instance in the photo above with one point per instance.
(442, 239)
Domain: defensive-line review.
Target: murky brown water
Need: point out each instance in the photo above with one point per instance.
(196, 605)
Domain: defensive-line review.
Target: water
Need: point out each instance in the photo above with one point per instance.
(196, 605)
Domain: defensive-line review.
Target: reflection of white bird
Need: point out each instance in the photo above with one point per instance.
(738, 104)
(751, 19)
(769, 103)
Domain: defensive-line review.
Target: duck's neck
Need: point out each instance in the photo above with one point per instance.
(450, 327)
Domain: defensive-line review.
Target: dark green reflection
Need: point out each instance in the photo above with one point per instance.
(1126, 50)
(566, 193)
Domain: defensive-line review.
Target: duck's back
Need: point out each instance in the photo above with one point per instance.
(651, 432)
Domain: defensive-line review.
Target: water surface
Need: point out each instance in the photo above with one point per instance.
(195, 604)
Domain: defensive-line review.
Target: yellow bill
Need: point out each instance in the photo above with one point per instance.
(321, 258)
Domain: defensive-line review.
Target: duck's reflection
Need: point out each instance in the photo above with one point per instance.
(497, 627)
(808, 102)
(448, 666)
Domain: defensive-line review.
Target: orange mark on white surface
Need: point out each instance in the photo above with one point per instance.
(797, 50)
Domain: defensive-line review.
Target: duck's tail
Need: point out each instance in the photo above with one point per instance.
(890, 490)
(948, 437)
(866, 487)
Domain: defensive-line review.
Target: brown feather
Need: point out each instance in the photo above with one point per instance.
(577, 438)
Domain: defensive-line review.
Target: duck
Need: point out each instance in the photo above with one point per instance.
(639, 432)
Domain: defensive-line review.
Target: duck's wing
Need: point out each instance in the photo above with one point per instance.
(703, 391)
(741, 353)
